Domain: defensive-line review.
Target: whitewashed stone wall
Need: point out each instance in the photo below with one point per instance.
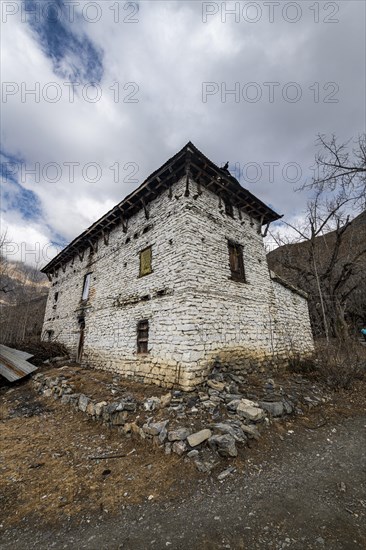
(197, 314)
(292, 321)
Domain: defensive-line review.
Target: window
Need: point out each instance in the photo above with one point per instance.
(55, 298)
(145, 262)
(49, 335)
(229, 211)
(86, 287)
(236, 262)
(142, 336)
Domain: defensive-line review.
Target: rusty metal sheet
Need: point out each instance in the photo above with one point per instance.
(23, 354)
(13, 364)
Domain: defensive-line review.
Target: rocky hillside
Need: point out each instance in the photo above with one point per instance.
(23, 295)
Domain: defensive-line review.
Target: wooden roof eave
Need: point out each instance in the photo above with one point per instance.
(174, 168)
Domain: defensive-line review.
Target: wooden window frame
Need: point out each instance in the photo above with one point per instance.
(229, 209)
(143, 337)
(140, 256)
(86, 287)
(237, 271)
(50, 333)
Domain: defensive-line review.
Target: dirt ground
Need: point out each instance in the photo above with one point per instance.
(301, 486)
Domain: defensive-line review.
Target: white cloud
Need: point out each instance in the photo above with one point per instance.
(169, 53)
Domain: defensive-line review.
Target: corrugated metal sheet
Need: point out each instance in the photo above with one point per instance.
(23, 354)
(13, 363)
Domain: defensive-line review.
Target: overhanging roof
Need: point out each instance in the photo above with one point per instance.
(188, 161)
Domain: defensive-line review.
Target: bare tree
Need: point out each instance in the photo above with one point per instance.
(6, 267)
(326, 258)
(341, 167)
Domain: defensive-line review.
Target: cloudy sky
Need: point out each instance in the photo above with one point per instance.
(97, 95)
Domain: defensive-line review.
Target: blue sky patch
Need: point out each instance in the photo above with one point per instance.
(13, 195)
(74, 56)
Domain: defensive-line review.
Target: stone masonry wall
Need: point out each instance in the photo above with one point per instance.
(197, 314)
(292, 327)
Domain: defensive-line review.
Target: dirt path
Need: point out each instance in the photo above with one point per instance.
(306, 491)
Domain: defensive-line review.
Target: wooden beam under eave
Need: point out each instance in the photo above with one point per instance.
(147, 215)
(188, 173)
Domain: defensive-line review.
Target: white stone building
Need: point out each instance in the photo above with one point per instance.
(174, 279)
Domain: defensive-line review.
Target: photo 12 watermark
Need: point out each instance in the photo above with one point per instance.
(266, 172)
(29, 253)
(70, 172)
(271, 12)
(269, 92)
(53, 92)
(69, 11)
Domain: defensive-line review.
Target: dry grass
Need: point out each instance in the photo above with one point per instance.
(47, 472)
(41, 350)
(337, 364)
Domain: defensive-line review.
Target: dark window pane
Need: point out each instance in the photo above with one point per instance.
(229, 208)
(142, 336)
(236, 261)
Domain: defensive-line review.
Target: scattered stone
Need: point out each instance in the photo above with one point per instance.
(232, 397)
(273, 408)
(154, 428)
(127, 406)
(233, 425)
(203, 467)
(235, 431)
(193, 454)
(127, 428)
(83, 402)
(249, 410)
(150, 430)
(179, 447)
(163, 434)
(224, 445)
(165, 400)
(152, 404)
(288, 407)
(66, 399)
(215, 385)
(99, 408)
(208, 404)
(134, 428)
(198, 437)
(233, 405)
(203, 396)
(90, 409)
(226, 473)
(179, 434)
(118, 418)
(251, 431)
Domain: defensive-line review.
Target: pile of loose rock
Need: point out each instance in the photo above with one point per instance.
(204, 424)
